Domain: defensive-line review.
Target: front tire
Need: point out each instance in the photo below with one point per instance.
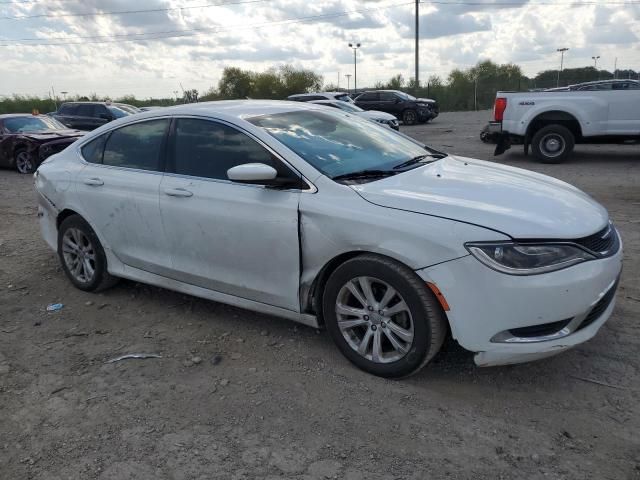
(552, 144)
(382, 317)
(409, 117)
(23, 161)
(82, 256)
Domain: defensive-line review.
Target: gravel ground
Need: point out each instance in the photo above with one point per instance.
(238, 394)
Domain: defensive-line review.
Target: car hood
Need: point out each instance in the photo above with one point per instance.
(47, 135)
(376, 114)
(513, 201)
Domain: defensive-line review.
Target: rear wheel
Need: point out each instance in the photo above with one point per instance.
(409, 117)
(23, 161)
(553, 143)
(382, 317)
(82, 257)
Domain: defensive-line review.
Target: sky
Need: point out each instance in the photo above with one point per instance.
(187, 43)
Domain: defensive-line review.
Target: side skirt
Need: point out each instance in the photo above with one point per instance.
(170, 284)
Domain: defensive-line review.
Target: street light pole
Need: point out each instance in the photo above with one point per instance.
(417, 45)
(595, 64)
(561, 50)
(348, 75)
(355, 70)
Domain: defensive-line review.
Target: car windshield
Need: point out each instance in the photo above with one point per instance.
(32, 124)
(344, 98)
(127, 108)
(118, 112)
(405, 96)
(337, 144)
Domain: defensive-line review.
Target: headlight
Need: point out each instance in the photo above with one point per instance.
(527, 259)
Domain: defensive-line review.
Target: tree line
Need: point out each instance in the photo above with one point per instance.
(463, 89)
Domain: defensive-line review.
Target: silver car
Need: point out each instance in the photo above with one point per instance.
(309, 213)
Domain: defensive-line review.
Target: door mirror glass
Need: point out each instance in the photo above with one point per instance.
(252, 173)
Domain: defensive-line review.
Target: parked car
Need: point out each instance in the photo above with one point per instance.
(405, 107)
(26, 140)
(308, 213)
(89, 115)
(309, 97)
(378, 117)
(552, 122)
(150, 107)
(127, 108)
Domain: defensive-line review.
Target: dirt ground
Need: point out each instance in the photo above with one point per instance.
(240, 395)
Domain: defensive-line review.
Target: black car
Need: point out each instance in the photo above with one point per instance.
(91, 115)
(27, 140)
(405, 107)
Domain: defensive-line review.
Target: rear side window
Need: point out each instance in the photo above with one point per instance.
(67, 109)
(208, 149)
(136, 146)
(92, 151)
(85, 110)
(368, 97)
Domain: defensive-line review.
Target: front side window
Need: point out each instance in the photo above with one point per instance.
(86, 110)
(368, 97)
(67, 109)
(336, 144)
(208, 149)
(118, 112)
(388, 97)
(136, 146)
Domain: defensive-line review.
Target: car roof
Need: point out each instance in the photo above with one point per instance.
(233, 108)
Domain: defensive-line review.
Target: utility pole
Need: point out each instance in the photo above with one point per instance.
(355, 70)
(561, 50)
(615, 68)
(348, 75)
(417, 45)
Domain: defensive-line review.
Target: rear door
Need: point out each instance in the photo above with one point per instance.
(118, 193)
(233, 238)
(368, 101)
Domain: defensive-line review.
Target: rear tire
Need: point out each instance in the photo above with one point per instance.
(82, 256)
(552, 144)
(393, 327)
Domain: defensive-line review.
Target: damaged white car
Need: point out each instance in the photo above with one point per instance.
(316, 215)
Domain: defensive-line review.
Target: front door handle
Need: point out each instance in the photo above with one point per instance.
(178, 192)
(93, 181)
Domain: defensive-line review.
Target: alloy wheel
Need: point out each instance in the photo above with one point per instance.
(79, 255)
(552, 145)
(23, 162)
(374, 319)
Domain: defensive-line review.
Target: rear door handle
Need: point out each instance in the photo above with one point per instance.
(178, 192)
(93, 181)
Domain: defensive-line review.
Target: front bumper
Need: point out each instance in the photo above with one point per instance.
(509, 319)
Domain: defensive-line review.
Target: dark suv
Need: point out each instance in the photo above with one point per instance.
(89, 115)
(405, 107)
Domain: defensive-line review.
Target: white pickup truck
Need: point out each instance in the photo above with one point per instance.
(551, 122)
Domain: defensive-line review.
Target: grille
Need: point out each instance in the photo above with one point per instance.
(599, 308)
(540, 330)
(605, 242)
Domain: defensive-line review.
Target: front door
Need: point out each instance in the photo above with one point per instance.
(233, 238)
(119, 192)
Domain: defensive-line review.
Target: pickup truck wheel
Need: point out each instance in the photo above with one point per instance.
(552, 144)
(409, 117)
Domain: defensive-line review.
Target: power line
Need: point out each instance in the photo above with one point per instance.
(197, 31)
(127, 12)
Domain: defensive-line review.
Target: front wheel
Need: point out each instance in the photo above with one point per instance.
(409, 117)
(382, 317)
(24, 161)
(552, 144)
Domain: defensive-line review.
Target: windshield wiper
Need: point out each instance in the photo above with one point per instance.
(364, 174)
(419, 159)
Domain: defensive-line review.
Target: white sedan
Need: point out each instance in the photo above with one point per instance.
(307, 213)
